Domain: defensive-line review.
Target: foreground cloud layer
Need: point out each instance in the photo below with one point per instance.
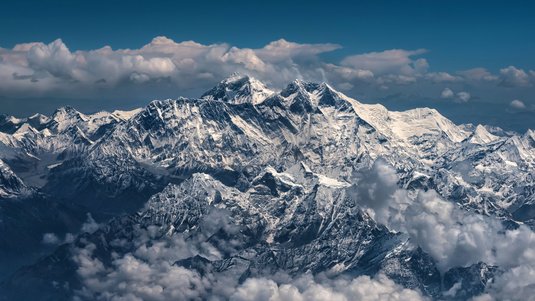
(452, 236)
(150, 273)
(165, 68)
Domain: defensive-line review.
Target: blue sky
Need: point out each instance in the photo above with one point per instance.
(442, 36)
(459, 34)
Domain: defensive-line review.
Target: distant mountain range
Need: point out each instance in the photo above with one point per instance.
(256, 182)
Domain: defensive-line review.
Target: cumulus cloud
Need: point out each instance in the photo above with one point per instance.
(518, 104)
(52, 67)
(514, 77)
(463, 96)
(361, 288)
(148, 272)
(376, 187)
(447, 93)
(460, 97)
(37, 69)
(50, 239)
(54, 59)
(517, 283)
(132, 278)
(281, 49)
(452, 236)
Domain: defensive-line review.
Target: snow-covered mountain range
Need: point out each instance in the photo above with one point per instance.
(246, 183)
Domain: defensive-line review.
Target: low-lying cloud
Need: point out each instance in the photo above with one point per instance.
(149, 273)
(363, 288)
(452, 236)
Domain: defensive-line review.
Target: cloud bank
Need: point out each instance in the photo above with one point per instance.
(166, 67)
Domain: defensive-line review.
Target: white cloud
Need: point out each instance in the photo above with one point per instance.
(396, 79)
(134, 277)
(54, 58)
(165, 68)
(139, 77)
(51, 239)
(345, 86)
(89, 225)
(518, 104)
(282, 49)
(42, 67)
(420, 65)
(478, 74)
(514, 77)
(348, 74)
(452, 236)
(441, 77)
(396, 61)
(363, 288)
(447, 93)
(146, 274)
(463, 96)
(376, 187)
(149, 273)
(517, 283)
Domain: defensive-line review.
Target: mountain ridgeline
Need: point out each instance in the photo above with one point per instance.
(263, 177)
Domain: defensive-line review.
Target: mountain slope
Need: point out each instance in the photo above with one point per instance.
(10, 184)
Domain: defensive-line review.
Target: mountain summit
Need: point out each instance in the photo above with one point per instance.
(239, 89)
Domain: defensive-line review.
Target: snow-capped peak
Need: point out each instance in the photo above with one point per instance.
(65, 117)
(235, 77)
(125, 115)
(530, 136)
(10, 184)
(238, 89)
(23, 129)
(38, 121)
(299, 86)
(482, 136)
(65, 112)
